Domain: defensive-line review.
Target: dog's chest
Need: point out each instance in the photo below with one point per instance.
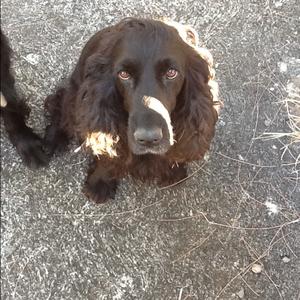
(147, 167)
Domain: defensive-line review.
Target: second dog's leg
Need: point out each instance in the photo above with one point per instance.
(28, 144)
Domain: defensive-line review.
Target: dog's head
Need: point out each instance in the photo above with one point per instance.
(152, 73)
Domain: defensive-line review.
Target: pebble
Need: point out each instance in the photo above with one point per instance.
(285, 259)
(268, 122)
(282, 67)
(33, 59)
(241, 293)
(256, 268)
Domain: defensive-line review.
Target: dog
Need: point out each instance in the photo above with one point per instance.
(14, 112)
(142, 99)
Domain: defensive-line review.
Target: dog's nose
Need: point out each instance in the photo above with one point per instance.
(148, 137)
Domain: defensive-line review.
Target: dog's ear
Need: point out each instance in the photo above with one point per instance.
(200, 80)
(195, 114)
(100, 112)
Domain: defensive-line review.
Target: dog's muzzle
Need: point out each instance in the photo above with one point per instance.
(150, 129)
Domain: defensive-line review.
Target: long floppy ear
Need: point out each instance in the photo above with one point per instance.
(101, 119)
(196, 111)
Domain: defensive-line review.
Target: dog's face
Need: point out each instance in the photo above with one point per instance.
(149, 69)
(136, 76)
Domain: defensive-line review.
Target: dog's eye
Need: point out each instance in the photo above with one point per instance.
(171, 73)
(124, 75)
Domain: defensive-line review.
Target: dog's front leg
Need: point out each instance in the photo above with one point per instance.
(101, 183)
(172, 174)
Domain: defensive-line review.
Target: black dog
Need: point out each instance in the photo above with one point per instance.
(143, 99)
(14, 112)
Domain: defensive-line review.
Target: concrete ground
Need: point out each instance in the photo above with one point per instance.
(231, 231)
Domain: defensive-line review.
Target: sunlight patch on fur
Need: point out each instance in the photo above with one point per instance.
(3, 102)
(102, 143)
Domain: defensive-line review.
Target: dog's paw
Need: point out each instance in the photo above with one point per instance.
(31, 148)
(101, 191)
(177, 173)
